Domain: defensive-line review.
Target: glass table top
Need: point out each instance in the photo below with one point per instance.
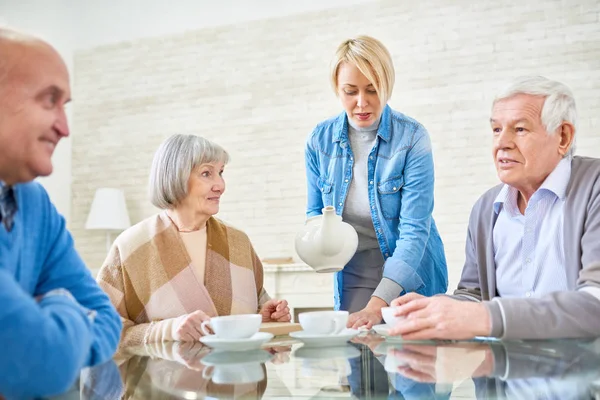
(368, 367)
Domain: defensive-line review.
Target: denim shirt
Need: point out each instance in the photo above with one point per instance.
(401, 179)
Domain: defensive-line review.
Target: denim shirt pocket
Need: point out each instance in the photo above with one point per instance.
(326, 191)
(389, 197)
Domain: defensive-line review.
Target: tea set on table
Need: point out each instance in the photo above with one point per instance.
(326, 244)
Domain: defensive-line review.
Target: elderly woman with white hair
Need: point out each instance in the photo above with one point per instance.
(174, 270)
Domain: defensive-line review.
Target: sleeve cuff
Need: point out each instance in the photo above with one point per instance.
(497, 318)
(387, 290)
(500, 361)
(263, 298)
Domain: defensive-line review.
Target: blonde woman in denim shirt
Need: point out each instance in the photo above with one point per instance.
(375, 166)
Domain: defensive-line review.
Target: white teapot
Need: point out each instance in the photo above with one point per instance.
(326, 243)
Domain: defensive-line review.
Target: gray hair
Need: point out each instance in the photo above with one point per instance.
(173, 163)
(559, 104)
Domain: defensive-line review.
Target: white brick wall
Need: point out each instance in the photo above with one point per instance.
(258, 88)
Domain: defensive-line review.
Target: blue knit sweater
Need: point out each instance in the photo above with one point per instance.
(45, 344)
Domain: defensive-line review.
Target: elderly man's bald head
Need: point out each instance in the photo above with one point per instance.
(12, 36)
(15, 46)
(34, 88)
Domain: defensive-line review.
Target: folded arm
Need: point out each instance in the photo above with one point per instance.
(63, 268)
(46, 344)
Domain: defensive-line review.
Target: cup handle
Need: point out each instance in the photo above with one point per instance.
(207, 372)
(338, 326)
(203, 328)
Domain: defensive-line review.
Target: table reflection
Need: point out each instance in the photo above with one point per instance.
(369, 367)
(520, 370)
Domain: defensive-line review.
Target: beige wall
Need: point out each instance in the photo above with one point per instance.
(258, 88)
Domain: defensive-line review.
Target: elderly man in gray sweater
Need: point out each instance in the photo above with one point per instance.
(532, 268)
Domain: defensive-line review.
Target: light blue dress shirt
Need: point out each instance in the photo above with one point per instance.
(528, 248)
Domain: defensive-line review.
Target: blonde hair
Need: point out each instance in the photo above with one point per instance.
(371, 58)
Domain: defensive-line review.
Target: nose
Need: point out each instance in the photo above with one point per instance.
(219, 185)
(504, 139)
(61, 125)
(362, 100)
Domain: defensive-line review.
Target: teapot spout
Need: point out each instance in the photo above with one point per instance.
(331, 243)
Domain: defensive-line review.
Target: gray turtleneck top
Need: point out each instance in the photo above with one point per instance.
(357, 210)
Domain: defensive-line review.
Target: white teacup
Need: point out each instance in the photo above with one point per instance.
(228, 374)
(225, 367)
(233, 326)
(323, 322)
(393, 363)
(389, 317)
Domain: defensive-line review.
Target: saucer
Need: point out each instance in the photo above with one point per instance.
(237, 357)
(383, 347)
(345, 351)
(383, 330)
(320, 340)
(486, 339)
(252, 343)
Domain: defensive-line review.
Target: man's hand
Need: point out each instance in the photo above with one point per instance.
(275, 311)
(440, 317)
(414, 362)
(439, 363)
(368, 316)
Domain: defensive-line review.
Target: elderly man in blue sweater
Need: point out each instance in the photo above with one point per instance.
(54, 318)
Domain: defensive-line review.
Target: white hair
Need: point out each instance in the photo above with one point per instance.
(173, 163)
(559, 104)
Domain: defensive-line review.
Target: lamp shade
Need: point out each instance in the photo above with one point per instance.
(108, 211)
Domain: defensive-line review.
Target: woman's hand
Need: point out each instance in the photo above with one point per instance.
(369, 340)
(275, 311)
(187, 327)
(368, 316)
(281, 354)
(190, 354)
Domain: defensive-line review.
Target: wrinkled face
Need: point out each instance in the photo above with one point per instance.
(34, 88)
(358, 96)
(205, 187)
(524, 153)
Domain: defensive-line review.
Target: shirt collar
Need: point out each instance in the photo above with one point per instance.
(558, 180)
(507, 197)
(555, 183)
(340, 131)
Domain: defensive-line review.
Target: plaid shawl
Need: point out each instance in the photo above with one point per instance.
(148, 275)
(154, 367)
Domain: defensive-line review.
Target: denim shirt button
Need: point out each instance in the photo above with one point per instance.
(340, 204)
(394, 188)
(346, 180)
(370, 157)
(386, 254)
(371, 182)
